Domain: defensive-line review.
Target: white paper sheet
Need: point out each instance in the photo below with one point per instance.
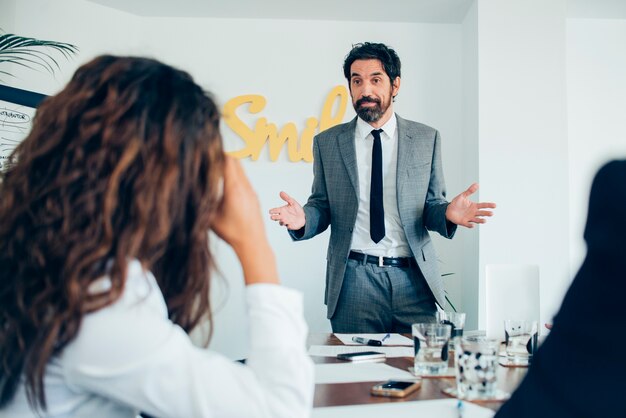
(440, 408)
(15, 123)
(333, 350)
(358, 372)
(393, 339)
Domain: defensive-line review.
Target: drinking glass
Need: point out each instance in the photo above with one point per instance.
(476, 367)
(521, 341)
(430, 342)
(455, 319)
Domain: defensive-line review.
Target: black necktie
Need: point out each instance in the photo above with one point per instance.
(377, 212)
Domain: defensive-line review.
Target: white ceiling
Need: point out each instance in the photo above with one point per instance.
(432, 11)
(597, 9)
(426, 11)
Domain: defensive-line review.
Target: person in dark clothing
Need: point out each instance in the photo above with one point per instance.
(579, 370)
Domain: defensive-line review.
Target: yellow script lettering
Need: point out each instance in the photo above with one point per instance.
(297, 148)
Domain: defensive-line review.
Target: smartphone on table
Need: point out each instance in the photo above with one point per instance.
(362, 356)
(396, 388)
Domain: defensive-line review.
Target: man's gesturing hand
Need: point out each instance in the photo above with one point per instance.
(291, 215)
(463, 211)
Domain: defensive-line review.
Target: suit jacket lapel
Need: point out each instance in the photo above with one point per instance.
(345, 142)
(406, 155)
(412, 153)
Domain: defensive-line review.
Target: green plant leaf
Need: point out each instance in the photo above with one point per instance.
(31, 53)
(450, 303)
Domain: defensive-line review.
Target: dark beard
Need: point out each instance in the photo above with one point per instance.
(369, 114)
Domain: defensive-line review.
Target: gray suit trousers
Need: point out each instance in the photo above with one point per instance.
(382, 299)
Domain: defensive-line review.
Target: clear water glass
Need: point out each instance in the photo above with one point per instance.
(476, 367)
(430, 342)
(521, 340)
(455, 319)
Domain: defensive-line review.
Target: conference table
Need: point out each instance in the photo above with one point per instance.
(358, 393)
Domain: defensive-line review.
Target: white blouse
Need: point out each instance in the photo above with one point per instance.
(129, 357)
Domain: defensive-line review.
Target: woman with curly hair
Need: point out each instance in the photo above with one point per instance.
(105, 264)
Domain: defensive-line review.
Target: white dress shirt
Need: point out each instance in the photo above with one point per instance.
(394, 244)
(128, 357)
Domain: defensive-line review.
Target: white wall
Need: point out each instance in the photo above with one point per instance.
(523, 159)
(7, 24)
(7, 16)
(470, 238)
(294, 64)
(596, 100)
(96, 30)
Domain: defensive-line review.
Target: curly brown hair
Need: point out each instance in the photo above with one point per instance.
(124, 163)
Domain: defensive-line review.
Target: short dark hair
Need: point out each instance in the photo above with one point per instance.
(368, 51)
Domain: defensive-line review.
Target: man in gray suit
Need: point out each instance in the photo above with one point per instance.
(378, 182)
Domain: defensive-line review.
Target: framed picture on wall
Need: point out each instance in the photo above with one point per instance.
(17, 108)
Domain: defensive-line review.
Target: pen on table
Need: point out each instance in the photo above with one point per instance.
(366, 341)
(385, 337)
(459, 408)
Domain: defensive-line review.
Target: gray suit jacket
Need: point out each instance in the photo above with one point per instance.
(421, 199)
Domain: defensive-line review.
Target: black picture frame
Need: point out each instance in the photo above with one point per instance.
(21, 97)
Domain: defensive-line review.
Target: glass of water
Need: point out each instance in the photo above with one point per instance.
(476, 370)
(455, 319)
(430, 342)
(521, 341)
